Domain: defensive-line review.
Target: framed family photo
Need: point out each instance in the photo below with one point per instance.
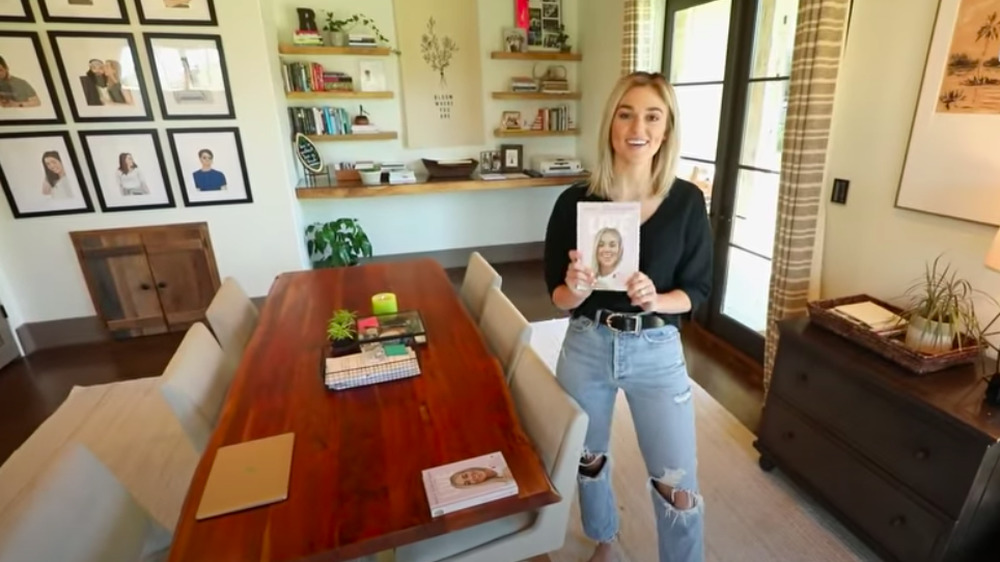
(102, 75)
(210, 166)
(190, 76)
(127, 169)
(41, 176)
(15, 11)
(27, 96)
(176, 12)
(83, 11)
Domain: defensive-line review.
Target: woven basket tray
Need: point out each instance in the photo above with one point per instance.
(892, 346)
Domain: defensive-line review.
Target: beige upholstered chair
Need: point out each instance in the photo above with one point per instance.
(506, 330)
(79, 512)
(233, 318)
(557, 426)
(479, 278)
(195, 383)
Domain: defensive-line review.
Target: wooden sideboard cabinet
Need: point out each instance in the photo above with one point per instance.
(909, 463)
(148, 280)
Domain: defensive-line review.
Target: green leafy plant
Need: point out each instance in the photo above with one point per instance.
(562, 39)
(437, 51)
(337, 243)
(341, 325)
(941, 306)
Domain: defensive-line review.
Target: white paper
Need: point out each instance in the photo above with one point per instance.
(607, 237)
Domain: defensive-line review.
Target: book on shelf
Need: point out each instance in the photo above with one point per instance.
(320, 121)
(553, 119)
(312, 77)
(375, 363)
(468, 483)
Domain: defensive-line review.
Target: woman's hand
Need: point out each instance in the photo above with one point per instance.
(641, 291)
(580, 279)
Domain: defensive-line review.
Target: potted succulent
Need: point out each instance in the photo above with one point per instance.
(337, 243)
(940, 312)
(341, 329)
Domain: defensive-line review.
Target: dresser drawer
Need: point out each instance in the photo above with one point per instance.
(888, 515)
(937, 463)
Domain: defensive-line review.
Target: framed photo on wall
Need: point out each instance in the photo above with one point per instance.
(16, 11)
(102, 74)
(176, 12)
(84, 11)
(127, 169)
(27, 96)
(41, 176)
(210, 166)
(190, 76)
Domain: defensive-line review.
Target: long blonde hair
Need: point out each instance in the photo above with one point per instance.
(665, 161)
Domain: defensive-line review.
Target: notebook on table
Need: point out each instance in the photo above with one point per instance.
(246, 475)
(468, 483)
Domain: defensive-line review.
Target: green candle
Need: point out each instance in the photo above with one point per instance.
(384, 303)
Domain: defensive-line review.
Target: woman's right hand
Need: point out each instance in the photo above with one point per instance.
(580, 279)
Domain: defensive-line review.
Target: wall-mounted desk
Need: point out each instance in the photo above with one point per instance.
(355, 189)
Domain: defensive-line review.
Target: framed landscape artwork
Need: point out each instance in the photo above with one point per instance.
(951, 165)
(15, 11)
(40, 175)
(83, 11)
(128, 171)
(27, 96)
(176, 12)
(190, 76)
(210, 166)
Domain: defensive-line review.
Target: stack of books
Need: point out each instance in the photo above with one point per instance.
(872, 316)
(374, 364)
(362, 40)
(311, 77)
(320, 121)
(468, 483)
(306, 37)
(523, 84)
(555, 86)
(553, 119)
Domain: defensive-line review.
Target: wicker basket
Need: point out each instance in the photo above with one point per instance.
(891, 346)
(441, 170)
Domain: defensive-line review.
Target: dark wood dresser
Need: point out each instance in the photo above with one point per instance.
(908, 463)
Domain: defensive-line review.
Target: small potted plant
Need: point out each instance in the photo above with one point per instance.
(562, 40)
(337, 243)
(940, 312)
(341, 329)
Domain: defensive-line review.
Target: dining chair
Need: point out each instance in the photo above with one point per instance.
(232, 317)
(506, 330)
(78, 511)
(479, 278)
(195, 383)
(556, 425)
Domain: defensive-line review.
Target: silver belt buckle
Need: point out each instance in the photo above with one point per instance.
(635, 330)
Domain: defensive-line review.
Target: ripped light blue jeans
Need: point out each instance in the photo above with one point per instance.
(595, 363)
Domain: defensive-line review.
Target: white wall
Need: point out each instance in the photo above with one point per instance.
(253, 242)
(601, 35)
(870, 246)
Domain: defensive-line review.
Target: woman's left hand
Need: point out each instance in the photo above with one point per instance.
(641, 291)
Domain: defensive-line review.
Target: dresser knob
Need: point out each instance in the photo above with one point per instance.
(803, 377)
(145, 287)
(897, 521)
(789, 435)
(921, 454)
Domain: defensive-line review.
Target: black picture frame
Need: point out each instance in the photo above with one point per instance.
(122, 19)
(36, 42)
(165, 112)
(95, 176)
(504, 149)
(8, 188)
(28, 17)
(210, 22)
(185, 186)
(74, 107)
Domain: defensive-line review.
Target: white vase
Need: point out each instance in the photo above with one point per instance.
(929, 337)
(336, 38)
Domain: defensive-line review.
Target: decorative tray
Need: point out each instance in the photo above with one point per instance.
(453, 169)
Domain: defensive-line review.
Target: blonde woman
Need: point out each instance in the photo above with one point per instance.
(630, 341)
(116, 92)
(608, 254)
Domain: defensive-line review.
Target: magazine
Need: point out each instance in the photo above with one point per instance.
(607, 236)
(468, 483)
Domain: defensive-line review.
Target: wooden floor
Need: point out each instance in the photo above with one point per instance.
(32, 388)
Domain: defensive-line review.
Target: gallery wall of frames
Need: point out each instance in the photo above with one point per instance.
(106, 86)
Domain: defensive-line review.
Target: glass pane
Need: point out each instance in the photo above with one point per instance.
(747, 280)
(698, 109)
(756, 212)
(774, 38)
(698, 45)
(700, 174)
(764, 130)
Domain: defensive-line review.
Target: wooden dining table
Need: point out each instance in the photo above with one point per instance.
(355, 485)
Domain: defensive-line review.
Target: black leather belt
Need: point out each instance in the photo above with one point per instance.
(628, 321)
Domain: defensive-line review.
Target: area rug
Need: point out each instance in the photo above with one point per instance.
(750, 515)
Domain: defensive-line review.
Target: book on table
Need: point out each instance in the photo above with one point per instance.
(468, 483)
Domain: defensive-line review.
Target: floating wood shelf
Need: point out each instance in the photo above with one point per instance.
(534, 133)
(535, 96)
(537, 55)
(354, 189)
(288, 49)
(339, 94)
(388, 135)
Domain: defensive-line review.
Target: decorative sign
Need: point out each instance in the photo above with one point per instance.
(307, 153)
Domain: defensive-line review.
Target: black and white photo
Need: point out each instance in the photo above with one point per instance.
(176, 12)
(27, 96)
(210, 166)
(102, 74)
(127, 169)
(15, 11)
(83, 11)
(190, 76)
(40, 175)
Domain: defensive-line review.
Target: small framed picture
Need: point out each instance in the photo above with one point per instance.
(511, 158)
(210, 166)
(176, 12)
(27, 96)
(489, 161)
(16, 11)
(127, 169)
(371, 76)
(41, 176)
(511, 120)
(190, 76)
(515, 40)
(102, 76)
(84, 11)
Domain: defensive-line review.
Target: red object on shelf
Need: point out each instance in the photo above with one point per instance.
(521, 14)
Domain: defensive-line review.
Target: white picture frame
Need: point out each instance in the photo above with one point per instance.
(16, 11)
(371, 76)
(210, 166)
(176, 12)
(29, 98)
(41, 176)
(189, 72)
(607, 236)
(83, 11)
(127, 169)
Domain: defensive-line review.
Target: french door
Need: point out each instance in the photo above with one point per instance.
(729, 62)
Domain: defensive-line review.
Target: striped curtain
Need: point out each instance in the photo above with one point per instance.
(637, 36)
(819, 39)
